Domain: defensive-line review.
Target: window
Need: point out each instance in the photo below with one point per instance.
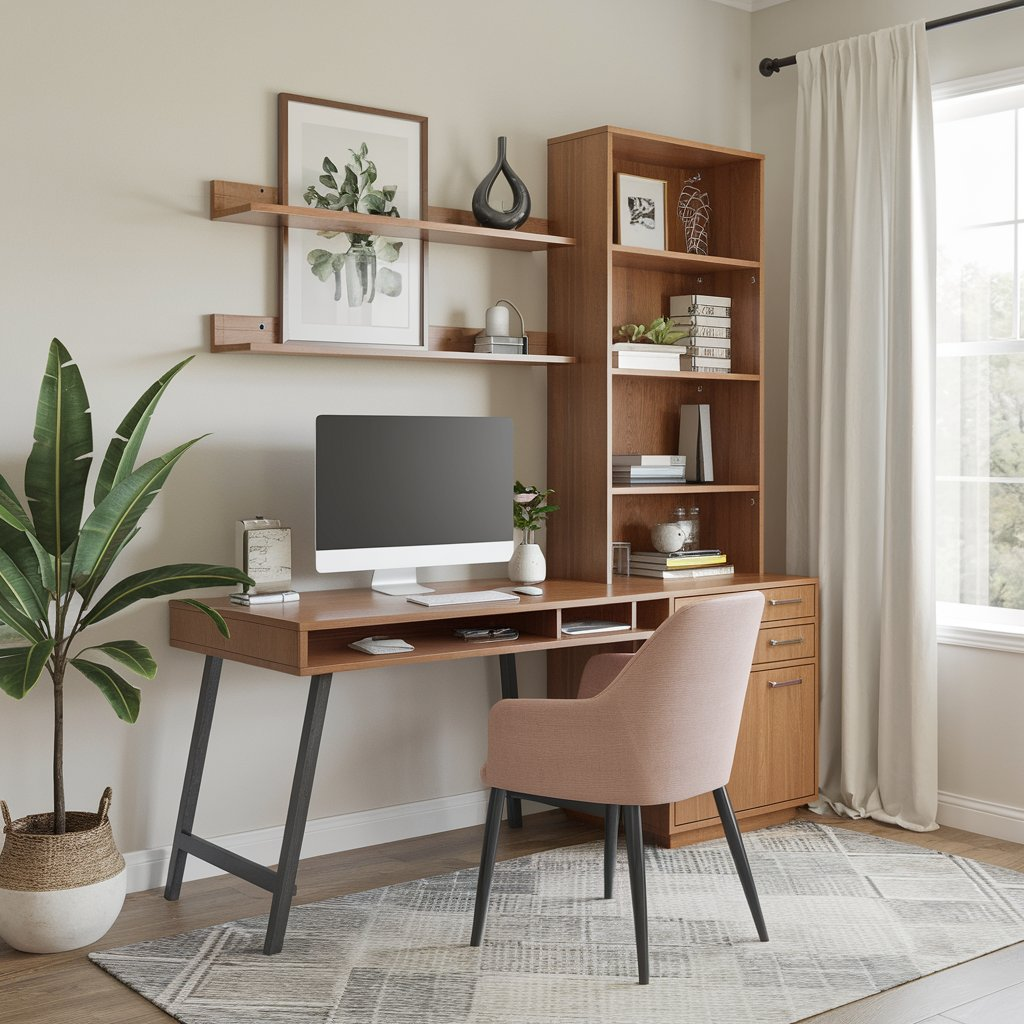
(979, 151)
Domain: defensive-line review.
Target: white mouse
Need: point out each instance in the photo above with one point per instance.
(531, 591)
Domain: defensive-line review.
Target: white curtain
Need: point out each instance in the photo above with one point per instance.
(861, 398)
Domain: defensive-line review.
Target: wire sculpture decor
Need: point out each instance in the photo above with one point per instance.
(694, 210)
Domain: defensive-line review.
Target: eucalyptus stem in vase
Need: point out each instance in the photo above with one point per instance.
(530, 510)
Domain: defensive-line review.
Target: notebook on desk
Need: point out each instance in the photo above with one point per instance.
(583, 626)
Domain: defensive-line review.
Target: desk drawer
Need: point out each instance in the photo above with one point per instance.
(784, 643)
(788, 603)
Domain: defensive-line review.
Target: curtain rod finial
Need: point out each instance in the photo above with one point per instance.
(769, 66)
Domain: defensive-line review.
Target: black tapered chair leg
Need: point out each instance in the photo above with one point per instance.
(487, 855)
(638, 888)
(611, 844)
(739, 858)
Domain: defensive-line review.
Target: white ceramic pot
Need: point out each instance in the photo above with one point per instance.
(59, 892)
(527, 564)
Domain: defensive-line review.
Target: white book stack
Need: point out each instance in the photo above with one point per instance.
(706, 321)
(630, 470)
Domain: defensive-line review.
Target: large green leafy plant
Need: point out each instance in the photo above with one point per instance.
(54, 565)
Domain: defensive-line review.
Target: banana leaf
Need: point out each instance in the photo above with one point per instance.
(167, 579)
(130, 653)
(58, 465)
(21, 667)
(123, 450)
(108, 528)
(121, 695)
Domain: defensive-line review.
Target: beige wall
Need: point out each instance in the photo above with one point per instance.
(980, 777)
(114, 116)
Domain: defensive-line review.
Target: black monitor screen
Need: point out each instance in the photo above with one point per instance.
(407, 481)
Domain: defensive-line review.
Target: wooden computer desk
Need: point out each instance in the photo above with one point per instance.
(310, 637)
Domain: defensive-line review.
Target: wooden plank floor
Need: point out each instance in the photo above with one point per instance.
(65, 987)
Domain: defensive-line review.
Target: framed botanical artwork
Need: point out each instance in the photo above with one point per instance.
(352, 287)
(640, 211)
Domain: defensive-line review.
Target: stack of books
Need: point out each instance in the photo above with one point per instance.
(707, 323)
(628, 470)
(500, 346)
(638, 355)
(680, 565)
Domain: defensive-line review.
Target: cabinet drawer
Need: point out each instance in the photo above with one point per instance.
(788, 603)
(784, 643)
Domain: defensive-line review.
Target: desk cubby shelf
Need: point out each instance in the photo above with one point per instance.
(242, 203)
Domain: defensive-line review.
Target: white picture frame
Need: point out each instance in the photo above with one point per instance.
(378, 296)
(640, 211)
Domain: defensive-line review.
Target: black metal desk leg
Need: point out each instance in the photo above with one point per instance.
(510, 691)
(193, 774)
(298, 807)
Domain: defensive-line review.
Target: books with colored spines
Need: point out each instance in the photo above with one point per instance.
(648, 460)
(678, 559)
(682, 574)
(699, 305)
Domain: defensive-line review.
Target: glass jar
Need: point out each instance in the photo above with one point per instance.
(693, 533)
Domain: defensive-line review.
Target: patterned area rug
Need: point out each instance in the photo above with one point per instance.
(848, 915)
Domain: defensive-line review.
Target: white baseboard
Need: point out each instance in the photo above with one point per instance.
(982, 817)
(147, 869)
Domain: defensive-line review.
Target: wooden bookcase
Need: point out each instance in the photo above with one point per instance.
(595, 410)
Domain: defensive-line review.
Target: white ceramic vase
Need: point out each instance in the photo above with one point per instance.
(527, 564)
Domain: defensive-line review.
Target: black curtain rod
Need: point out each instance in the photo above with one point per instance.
(772, 65)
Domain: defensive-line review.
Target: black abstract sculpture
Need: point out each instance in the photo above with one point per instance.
(485, 213)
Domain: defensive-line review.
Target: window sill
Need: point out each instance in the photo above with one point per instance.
(984, 637)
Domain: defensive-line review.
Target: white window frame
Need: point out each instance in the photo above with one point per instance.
(998, 629)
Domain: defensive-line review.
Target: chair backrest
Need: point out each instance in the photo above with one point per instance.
(678, 702)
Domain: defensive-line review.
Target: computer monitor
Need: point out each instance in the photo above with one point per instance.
(395, 493)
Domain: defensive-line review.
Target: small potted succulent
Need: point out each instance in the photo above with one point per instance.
(530, 509)
(62, 879)
(660, 332)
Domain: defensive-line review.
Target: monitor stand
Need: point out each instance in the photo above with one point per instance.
(397, 582)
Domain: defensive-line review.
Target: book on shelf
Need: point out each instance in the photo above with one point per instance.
(675, 469)
(691, 331)
(648, 460)
(702, 321)
(682, 574)
(705, 364)
(666, 476)
(695, 442)
(699, 305)
(720, 350)
(647, 360)
(503, 346)
(678, 560)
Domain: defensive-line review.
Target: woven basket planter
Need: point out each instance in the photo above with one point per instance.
(59, 892)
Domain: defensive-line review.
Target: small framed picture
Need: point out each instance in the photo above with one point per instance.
(640, 206)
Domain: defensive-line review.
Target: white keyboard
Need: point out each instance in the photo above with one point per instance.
(463, 597)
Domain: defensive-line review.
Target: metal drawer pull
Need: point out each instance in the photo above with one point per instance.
(786, 643)
(773, 601)
(774, 684)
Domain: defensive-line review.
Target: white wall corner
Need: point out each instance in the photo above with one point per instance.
(981, 817)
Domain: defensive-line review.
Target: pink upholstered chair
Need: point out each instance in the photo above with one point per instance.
(647, 728)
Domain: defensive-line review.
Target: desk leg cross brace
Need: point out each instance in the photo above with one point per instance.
(281, 883)
(510, 691)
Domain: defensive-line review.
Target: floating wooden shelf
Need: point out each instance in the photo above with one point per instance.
(258, 204)
(677, 262)
(263, 334)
